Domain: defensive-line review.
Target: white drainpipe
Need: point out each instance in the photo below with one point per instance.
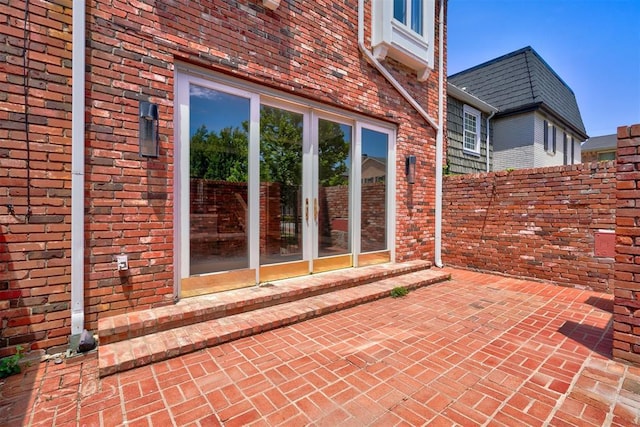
(488, 139)
(437, 126)
(439, 141)
(77, 172)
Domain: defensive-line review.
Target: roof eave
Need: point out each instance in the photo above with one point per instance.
(466, 97)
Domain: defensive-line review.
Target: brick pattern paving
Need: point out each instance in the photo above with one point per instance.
(477, 350)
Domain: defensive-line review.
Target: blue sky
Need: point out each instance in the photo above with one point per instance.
(593, 45)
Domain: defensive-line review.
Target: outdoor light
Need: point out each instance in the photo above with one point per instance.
(148, 129)
(411, 169)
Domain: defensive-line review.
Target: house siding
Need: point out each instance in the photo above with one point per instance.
(303, 49)
(544, 159)
(458, 160)
(513, 138)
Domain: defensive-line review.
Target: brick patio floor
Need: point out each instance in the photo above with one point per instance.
(476, 350)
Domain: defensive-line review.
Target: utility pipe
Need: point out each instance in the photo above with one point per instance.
(488, 140)
(439, 141)
(437, 126)
(77, 171)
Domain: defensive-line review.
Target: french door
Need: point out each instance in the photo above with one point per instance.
(306, 197)
(270, 189)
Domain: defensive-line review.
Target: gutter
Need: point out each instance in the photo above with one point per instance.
(77, 172)
(437, 126)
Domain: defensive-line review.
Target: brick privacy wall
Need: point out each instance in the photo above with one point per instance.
(537, 223)
(35, 175)
(304, 48)
(626, 311)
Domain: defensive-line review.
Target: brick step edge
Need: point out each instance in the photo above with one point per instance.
(140, 351)
(200, 309)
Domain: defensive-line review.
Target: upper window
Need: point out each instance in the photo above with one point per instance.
(471, 138)
(409, 12)
(405, 31)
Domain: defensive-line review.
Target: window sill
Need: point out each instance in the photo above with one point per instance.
(471, 153)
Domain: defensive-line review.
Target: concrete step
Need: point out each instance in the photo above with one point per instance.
(163, 344)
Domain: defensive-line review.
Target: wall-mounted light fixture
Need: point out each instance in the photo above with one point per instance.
(148, 129)
(410, 169)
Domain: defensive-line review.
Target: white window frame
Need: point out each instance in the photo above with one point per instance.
(477, 115)
(390, 37)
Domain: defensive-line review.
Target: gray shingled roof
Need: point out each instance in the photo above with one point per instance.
(599, 143)
(521, 81)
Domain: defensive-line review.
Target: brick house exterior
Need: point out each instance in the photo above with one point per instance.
(303, 53)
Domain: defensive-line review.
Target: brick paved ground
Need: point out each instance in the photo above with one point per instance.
(477, 350)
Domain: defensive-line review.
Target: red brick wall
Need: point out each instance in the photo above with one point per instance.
(626, 314)
(536, 223)
(35, 175)
(304, 48)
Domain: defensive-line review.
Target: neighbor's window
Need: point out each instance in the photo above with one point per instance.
(549, 138)
(608, 155)
(573, 150)
(471, 137)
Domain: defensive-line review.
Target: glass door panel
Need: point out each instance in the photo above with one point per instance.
(332, 203)
(373, 197)
(218, 175)
(373, 194)
(281, 226)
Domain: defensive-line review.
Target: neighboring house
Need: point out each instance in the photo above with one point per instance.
(171, 149)
(600, 148)
(538, 122)
(469, 147)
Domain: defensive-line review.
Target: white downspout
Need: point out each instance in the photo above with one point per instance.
(437, 126)
(488, 139)
(439, 141)
(77, 172)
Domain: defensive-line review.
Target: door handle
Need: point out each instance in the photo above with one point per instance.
(306, 209)
(315, 209)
